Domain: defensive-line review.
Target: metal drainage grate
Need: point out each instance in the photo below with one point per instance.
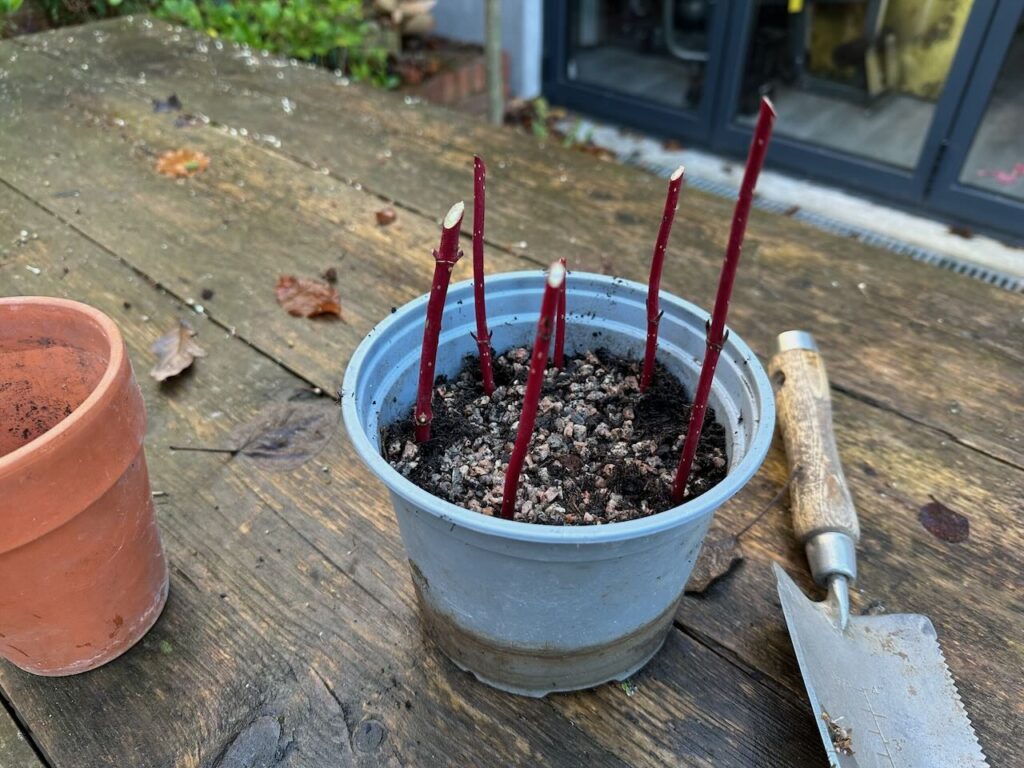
(986, 275)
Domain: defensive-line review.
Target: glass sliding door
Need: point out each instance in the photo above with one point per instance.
(866, 90)
(995, 161)
(657, 51)
(651, 63)
(917, 102)
(861, 77)
(980, 178)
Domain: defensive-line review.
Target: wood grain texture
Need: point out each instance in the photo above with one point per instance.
(291, 605)
(818, 493)
(970, 590)
(893, 320)
(15, 750)
(315, 551)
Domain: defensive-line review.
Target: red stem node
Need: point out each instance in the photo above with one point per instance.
(560, 321)
(483, 335)
(534, 383)
(675, 182)
(445, 256)
(716, 329)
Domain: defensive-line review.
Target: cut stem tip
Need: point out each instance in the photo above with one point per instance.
(454, 214)
(556, 275)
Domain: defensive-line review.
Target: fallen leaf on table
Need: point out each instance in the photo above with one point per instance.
(175, 351)
(386, 216)
(717, 557)
(302, 297)
(284, 436)
(181, 163)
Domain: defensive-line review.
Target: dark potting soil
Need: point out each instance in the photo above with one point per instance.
(601, 451)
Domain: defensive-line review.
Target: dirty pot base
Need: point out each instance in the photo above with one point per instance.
(538, 672)
(145, 623)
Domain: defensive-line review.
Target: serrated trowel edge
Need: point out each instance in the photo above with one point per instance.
(951, 682)
(970, 748)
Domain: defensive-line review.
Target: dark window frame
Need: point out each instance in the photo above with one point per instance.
(931, 187)
(908, 186)
(658, 119)
(948, 194)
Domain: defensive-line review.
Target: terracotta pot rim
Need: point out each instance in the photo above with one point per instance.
(116, 351)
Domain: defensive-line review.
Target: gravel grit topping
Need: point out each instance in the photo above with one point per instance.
(601, 451)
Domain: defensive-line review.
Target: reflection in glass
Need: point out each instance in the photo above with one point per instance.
(857, 76)
(996, 159)
(654, 49)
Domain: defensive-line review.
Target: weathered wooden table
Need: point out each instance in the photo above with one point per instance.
(291, 636)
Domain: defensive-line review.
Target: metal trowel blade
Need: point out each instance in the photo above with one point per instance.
(880, 690)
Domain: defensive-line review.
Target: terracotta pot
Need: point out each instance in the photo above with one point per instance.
(82, 571)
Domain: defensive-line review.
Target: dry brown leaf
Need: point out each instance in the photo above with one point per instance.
(302, 297)
(286, 435)
(181, 163)
(175, 351)
(386, 216)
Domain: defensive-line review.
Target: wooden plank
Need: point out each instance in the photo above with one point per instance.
(309, 209)
(267, 625)
(123, 48)
(201, 677)
(259, 213)
(315, 228)
(15, 750)
(889, 320)
(970, 590)
(248, 88)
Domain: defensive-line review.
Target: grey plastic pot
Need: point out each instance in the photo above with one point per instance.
(533, 609)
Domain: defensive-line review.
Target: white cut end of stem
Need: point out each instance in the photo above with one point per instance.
(453, 215)
(677, 174)
(556, 275)
(768, 103)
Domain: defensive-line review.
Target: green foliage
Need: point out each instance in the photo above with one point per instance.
(329, 32)
(77, 11)
(7, 8)
(539, 119)
(333, 33)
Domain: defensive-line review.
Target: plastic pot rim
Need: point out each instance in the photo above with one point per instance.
(416, 496)
(116, 353)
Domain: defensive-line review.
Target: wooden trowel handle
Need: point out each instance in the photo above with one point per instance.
(819, 497)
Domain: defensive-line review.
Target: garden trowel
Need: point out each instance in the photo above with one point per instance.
(879, 686)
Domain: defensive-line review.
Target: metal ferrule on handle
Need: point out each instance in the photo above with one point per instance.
(831, 553)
